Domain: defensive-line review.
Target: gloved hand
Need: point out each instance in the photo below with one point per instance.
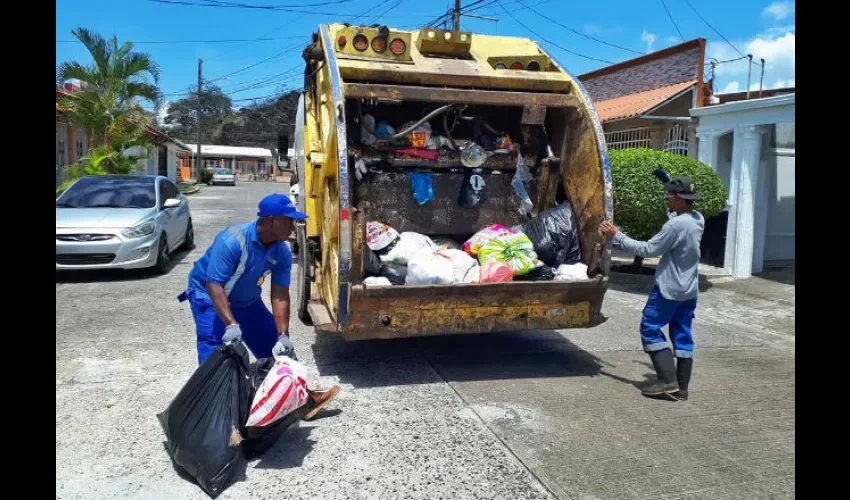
(284, 347)
(231, 333)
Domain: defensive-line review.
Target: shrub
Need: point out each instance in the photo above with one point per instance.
(640, 208)
(206, 176)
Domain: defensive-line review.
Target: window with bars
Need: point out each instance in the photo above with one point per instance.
(630, 138)
(676, 141)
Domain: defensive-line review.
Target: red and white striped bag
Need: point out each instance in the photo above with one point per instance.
(283, 391)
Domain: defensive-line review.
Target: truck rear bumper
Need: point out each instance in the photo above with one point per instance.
(413, 311)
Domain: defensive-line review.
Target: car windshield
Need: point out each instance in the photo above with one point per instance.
(109, 192)
(223, 171)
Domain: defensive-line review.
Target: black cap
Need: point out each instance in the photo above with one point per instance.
(683, 187)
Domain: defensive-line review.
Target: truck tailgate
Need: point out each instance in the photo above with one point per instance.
(410, 311)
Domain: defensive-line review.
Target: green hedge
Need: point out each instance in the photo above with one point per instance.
(640, 207)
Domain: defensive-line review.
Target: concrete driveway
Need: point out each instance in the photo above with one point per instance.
(520, 416)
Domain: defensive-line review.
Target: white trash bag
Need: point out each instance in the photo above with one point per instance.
(571, 272)
(430, 267)
(461, 262)
(377, 281)
(409, 243)
(283, 391)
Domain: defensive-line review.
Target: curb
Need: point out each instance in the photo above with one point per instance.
(191, 191)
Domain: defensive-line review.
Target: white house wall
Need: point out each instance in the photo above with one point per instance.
(758, 176)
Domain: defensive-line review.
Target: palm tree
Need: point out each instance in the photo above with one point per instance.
(107, 103)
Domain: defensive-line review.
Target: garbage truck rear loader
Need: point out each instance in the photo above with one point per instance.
(464, 87)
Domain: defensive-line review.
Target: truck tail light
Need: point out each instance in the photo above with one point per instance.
(398, 46)
(379, 44)
(341, 41)
(516, 65)
(360, 42)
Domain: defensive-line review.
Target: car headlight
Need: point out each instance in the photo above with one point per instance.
(142, 229)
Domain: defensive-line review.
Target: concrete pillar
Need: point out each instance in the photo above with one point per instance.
(743, 187)
(657, 134)
(709, 142)
(692, 139)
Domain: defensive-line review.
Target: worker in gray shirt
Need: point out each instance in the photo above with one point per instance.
(674, 297)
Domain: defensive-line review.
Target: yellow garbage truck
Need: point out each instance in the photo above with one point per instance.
(368, 92)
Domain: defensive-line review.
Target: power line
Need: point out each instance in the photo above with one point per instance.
(549, 41)
(235, 5)
(262, 39)
(673, 20)
(579, 32)
(715, 30)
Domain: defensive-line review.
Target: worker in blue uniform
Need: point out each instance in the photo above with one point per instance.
(225, 287)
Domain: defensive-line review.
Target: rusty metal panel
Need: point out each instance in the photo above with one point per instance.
(467, 96)
(533, 113)
(387, 197)
(397, 312)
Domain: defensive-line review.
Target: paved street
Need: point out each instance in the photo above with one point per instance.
(518, 416)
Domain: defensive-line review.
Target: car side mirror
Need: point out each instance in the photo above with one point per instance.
(171, 203)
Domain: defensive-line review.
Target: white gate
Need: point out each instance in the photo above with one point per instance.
(676, 141)
(629, 138)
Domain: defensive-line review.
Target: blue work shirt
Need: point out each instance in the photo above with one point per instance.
(239, 262)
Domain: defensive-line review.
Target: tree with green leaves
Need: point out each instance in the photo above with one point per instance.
(107, 104)
(216, 111)
(639, 204)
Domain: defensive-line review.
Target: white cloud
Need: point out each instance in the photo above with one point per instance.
(648, 39)
(779, 10)
(595, 29)
(161, 113)
(777, 46)
(672, 39)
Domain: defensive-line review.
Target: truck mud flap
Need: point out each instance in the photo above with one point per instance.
(413, 311)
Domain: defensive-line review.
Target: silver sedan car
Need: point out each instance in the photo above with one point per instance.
(121, 222)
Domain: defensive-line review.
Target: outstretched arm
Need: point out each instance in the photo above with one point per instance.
(658, 245)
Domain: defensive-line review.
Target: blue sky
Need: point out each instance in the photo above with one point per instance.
(763, 27)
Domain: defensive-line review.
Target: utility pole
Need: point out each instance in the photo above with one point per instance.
(749, 74)
(198, 156)
(456, 16)
(761, 80)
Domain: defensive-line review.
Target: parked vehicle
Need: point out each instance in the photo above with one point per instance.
(121, 222)
(223, 176)
(428, 86)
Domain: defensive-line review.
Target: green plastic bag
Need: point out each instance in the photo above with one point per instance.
(515, 249)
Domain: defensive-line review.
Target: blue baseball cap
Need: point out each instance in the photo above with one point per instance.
(279, 205)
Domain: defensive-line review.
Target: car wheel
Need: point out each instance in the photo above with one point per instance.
(189, 242)
(162, 256)
(233, 183)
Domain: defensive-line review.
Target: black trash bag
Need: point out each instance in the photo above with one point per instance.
(371, 262)
(258, 440)
(445, 241)
(204, 424)
(396, 273)
(541, 273)
(555, 235)
(472, 190)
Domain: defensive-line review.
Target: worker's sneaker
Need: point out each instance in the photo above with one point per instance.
(683, 375)
(665, 369)
(318, 400)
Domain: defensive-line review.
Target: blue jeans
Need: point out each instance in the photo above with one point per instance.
(259, 331)
(660, 312)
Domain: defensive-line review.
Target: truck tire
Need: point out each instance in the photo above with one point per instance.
(302, 276)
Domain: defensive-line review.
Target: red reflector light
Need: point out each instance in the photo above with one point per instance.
(379, 44)
(516, 65)
(341, 41)
(398, 46)
(360, 42)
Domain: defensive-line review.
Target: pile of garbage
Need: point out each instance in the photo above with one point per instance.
(545, 248)
(417, 141)
(230, 410)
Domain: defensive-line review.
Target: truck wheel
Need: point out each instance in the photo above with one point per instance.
(302, 276)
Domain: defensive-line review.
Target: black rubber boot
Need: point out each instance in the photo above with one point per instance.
(683, 375)
(665, 369)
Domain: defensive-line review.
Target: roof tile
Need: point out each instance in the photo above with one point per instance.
(638, 103)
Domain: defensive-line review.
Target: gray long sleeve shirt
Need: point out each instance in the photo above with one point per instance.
(677, 275)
